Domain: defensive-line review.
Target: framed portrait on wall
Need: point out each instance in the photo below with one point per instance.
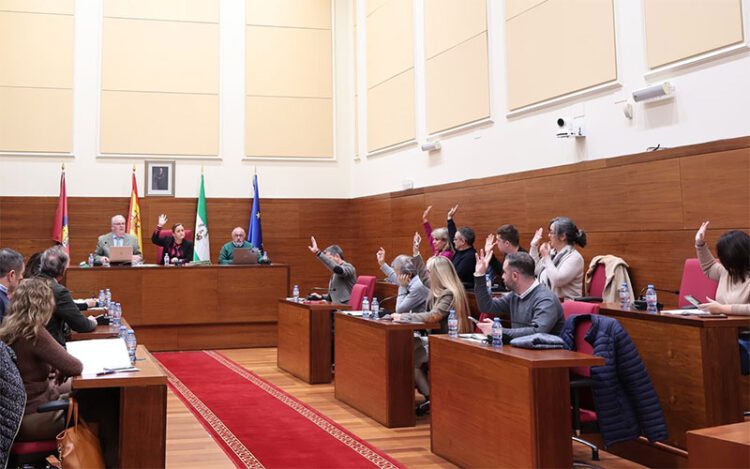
(160, 178)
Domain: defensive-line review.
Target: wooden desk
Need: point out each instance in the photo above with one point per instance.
(131, 412)
(693, 363)
(725, 446)
(189, 308)
(101, 332)
(506, 407)
(375, 368)
(304, 348)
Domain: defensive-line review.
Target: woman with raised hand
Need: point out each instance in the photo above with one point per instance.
(558, 264)
(440, 240)
(179, 249)
(38, 357)
(732, 271)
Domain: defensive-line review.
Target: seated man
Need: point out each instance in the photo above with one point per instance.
(412, 294)
(508, 242)
(463, 241)
(532, 307)
(53, 266)
(238, 242)
(11, 272)
(344, 275)
(116, 238)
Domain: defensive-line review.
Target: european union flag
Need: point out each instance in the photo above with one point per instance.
(254, 231)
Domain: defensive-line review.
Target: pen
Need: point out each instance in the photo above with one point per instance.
(109, 371)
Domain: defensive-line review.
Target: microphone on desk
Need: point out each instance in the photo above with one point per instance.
(640, 303)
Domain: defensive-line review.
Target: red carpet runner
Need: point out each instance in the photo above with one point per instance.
(256, 423)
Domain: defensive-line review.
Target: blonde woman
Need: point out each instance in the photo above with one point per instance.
(38, 355)
(439, 238)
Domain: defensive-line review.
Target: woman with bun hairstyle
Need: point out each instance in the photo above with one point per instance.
(558, 264)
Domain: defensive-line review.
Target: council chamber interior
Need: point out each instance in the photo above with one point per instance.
(327, 131)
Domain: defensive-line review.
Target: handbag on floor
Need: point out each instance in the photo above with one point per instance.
(78, 446)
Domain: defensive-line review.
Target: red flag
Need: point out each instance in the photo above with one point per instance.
(60, 226)
(133, 225)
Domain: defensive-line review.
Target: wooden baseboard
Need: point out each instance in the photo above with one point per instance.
(207, 337)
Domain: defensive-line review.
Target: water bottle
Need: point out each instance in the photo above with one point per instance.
(166, 258)
(91, 259)
(295, 293)
(452, 324)
(102, 299)
(651, 300)
(132, 344)
(488, 281)
(123, 333)
(365, 308)
(111, 314)
(624, 296)
(117, 314)
(108, 297)
(375, 308)
(497, 333)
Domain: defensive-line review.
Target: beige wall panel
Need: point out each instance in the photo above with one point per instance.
(539, 67)
(450, 22)
(297, 64)
(174, 10)
(390, 41)
(36, 120)
(146, 55)
(516, 7)
(372, 5)
(63, 7)
(291, 127)
(290, 13)
(36, 50)
(677, 30)
(390, 112)
(159, 123)
(457, 86)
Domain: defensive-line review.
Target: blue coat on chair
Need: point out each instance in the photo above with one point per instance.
(625, 400)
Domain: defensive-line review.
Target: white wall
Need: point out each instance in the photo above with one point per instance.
(712, 102)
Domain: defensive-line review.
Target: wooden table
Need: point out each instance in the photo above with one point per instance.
(130, 410)
(693, 363)
(726, 446)
(501, 407)
(189, 308)
(375, 368)
(101, 332)
(304, 343)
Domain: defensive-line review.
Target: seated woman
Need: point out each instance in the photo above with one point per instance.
(732, 271)
(558, 264)
(446, 293)
(179, 249)
(38, 355)
(412, 294)
(439, 237)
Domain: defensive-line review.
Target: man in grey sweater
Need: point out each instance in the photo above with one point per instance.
(344, 275)
(533, 307)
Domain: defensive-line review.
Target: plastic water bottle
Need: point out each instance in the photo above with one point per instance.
(116, 314)
(166, 258)
(295, 293)
(123, 333)
(375, 308)
(365, 308)
(651, 300)
(497, 333)
(108, 297)
(91, 259)
(488, 281)
(102, 299)
(452, 324)
(111, 314)
(132, 344)
(624, 296)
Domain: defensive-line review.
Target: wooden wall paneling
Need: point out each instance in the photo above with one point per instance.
(504, 203)
(551, 196)
(655, 197)
(406, 215)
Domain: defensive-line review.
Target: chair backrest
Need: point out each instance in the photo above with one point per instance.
(598, 281)
(166, 234)
(582, 346)
(571, 308)
(369, 282)
(358, 293)
(695, 283)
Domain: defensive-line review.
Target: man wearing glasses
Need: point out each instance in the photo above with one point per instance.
(116, 238)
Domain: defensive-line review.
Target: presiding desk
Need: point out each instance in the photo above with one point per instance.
(501, 407)
(192, 307)
(304, 343)
(130, 410)
(693, 363)
(375, 368)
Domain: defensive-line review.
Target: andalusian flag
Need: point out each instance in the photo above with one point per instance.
(134, 214)
(60, 226)
(201, 250)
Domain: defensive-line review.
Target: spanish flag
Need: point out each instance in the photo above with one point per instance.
(134, 213)
(60, 225)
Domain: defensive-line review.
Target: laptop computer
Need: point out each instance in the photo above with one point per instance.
(245, 256)
(120, 254)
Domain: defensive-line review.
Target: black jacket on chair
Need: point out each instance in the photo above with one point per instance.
(625, 400)
(12, 401)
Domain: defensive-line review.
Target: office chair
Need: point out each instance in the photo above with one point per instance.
(34, 453)
(695, 283)
(598, 282)
(165, 234)
(358, 294)
(369, 282)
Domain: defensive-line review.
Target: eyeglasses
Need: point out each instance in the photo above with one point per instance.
(119, 223)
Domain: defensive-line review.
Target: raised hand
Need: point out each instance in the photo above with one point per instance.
(452, 211)
(489, 243)
(700, 235)
(313, 246)
(162, 220)
(545, 249)
(483, 262)
(426, 214)
(380, 256)
(537, 237)
(417, 239)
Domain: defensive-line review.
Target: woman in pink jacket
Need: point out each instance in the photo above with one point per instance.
(439, 237)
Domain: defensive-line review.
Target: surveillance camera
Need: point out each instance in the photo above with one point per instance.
(431, 146)
(567, 127)
(564, 122)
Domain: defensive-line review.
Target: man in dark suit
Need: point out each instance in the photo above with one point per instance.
(117, 237)
(11, 272)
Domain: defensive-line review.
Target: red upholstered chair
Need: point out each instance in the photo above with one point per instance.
(166, 234)
(34, 453)
(369, 282)
(358, 293)
(598, 281)
(695, 283)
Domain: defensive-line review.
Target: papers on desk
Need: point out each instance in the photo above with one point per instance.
(99, 355)
(146, 265)
(686, 312)
(356, 314)
(481, 338)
